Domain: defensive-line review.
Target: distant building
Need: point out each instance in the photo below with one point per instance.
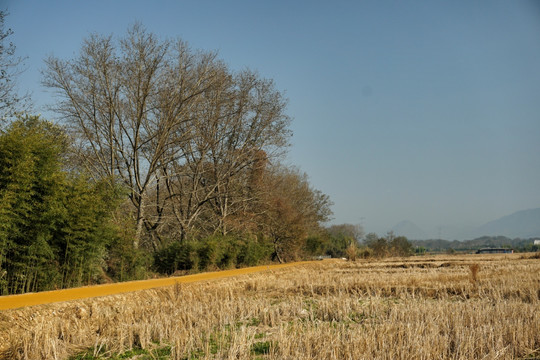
(536, 241)
(495, 251)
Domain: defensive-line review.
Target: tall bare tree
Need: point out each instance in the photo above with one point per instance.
(234, 121)
(255, 122)
(128, 103)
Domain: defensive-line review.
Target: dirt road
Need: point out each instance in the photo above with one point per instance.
(47, 297)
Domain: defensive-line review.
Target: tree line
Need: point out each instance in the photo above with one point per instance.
(440, 245)
(161, 159)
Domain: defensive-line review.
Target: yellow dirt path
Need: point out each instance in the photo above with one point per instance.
(47, 297)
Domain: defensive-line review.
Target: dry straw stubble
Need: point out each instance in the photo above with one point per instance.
(416, 308)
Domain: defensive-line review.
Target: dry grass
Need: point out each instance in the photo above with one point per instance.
(445, 307)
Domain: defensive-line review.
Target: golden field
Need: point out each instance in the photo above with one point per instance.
(429, 307)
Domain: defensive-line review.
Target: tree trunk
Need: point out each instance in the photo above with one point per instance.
(276, 250)
(139, 224)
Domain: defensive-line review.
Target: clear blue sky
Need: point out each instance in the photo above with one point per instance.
(420, 110)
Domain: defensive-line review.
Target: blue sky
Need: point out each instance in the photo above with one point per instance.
(420, 110)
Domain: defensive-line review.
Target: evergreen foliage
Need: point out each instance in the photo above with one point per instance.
(54, 224)
(215, 252)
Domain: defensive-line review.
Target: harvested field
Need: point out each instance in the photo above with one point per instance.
(441, 307)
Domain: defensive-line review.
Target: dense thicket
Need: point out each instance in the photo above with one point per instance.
(54, 224)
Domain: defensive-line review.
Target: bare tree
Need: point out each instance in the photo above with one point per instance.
(256, 121)
(291, 210)
(235, 120)
(354, 232)
(174, 126)
(128, 105)
(10, 67)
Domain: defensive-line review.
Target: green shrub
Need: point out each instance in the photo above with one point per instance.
(177, 256)
(253, 251)
(127, 263)
(211, 253)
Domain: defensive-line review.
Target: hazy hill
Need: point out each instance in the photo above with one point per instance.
(409, 230)
(521, 224)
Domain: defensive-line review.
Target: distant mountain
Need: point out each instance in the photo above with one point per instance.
(522, 224)
(409, 230)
